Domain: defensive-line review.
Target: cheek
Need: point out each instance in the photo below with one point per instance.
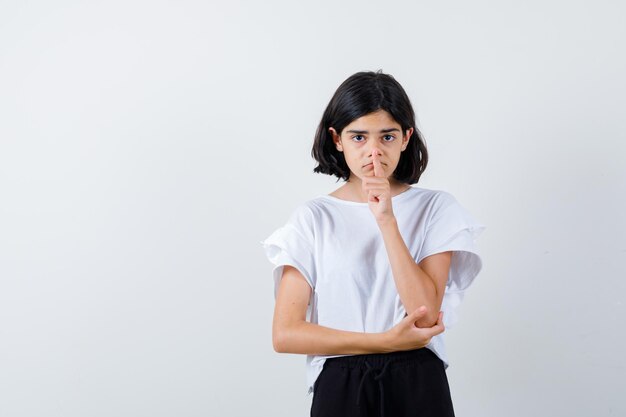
(350, 157)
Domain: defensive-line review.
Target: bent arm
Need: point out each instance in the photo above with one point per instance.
(417, 284)
(291, 333)
(313, 339)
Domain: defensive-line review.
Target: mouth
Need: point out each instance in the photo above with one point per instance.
(371, 164)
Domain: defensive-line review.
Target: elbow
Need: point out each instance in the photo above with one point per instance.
(426, 322)
(432, 315)
(433, 318)
(277, 344)
(429, 320)
(284, 338)
(279, 341)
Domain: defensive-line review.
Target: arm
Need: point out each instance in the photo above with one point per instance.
(417, 284)
(291, 333)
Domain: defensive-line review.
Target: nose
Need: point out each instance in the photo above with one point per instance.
(374, 149)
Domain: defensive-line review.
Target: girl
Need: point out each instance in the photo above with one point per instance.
(367, 278)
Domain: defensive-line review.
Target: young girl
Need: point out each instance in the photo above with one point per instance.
(367, 278)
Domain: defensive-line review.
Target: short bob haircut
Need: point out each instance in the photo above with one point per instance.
(363, 93)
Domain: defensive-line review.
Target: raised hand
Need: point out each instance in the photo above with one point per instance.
(379, 190)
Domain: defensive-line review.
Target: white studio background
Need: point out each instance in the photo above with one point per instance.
(146, 147)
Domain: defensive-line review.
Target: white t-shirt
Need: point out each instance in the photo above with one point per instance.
(338, 247)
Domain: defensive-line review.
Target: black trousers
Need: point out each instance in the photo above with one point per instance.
(397, 384)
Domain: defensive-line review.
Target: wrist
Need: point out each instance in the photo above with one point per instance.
(388, 222)
(384, 342)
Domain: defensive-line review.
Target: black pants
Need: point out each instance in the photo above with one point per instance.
(397, 384)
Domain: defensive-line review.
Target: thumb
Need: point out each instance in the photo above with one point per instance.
(418, 313)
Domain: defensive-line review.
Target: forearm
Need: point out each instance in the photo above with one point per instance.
(313, 339)
(414, 286)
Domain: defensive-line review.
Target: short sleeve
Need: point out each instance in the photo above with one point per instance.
(291, 245)
(453, 228)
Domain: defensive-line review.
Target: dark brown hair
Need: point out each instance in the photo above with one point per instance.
(363, 93)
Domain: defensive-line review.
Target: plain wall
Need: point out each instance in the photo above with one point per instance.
(146, 147)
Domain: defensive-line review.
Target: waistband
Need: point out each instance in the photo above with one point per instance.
(380, 359)
(376, 364)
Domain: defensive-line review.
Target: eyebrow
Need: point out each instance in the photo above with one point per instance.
(391, 129)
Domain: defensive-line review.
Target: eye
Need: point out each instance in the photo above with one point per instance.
(357, 136)
(389, 136)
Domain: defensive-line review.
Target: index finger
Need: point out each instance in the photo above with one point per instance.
(378, 168)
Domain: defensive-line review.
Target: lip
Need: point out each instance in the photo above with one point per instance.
(372, 164)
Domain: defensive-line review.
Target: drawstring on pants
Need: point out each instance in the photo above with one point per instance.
(380, 385)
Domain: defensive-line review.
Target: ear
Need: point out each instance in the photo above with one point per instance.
(336, 139)
(405, 140)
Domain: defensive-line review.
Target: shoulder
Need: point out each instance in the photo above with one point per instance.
(312, 211)
(434, 200)
(441, 205)
(304, 218)
(444, 198)
(304, 213)
(448, 212)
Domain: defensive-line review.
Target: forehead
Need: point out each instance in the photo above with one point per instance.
(376, 119)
